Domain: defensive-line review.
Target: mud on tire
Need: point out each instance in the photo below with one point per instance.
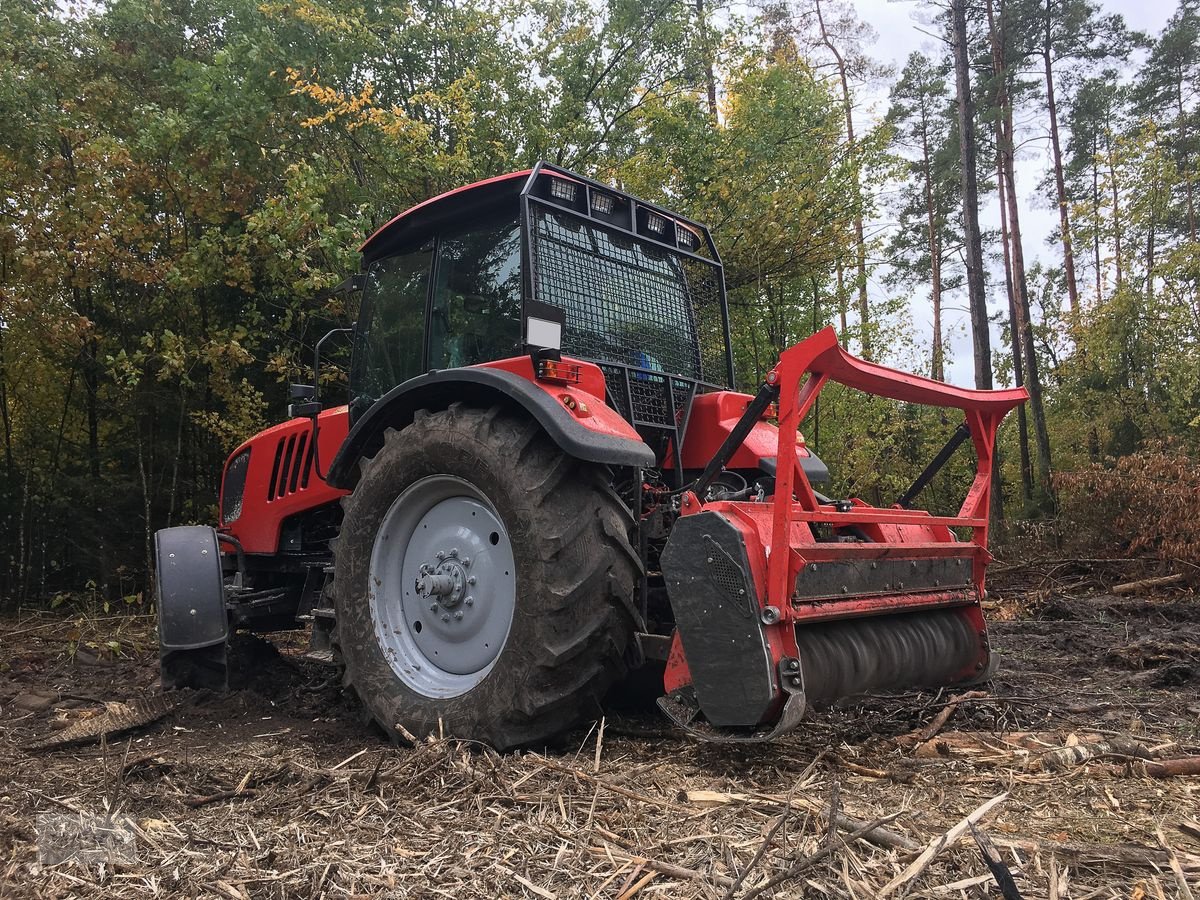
(571, 635)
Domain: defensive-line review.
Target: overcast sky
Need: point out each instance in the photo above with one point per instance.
(901, 29)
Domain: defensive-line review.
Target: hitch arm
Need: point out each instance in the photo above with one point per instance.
(767, 394)
(961, 433)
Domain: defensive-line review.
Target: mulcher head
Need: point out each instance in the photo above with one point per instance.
(771, 616)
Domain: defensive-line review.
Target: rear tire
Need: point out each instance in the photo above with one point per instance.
(492, 481)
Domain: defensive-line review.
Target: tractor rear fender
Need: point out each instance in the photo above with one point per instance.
(575, 418)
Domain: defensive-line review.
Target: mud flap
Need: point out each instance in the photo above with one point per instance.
(193, 624)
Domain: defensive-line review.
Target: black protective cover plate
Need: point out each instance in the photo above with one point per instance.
(191, 593)
(716, 607)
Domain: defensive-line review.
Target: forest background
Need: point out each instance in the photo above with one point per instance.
(181, 181)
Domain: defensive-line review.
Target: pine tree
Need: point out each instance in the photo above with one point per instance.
(927, 240)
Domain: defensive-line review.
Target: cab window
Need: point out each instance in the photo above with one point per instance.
(392, 330)
(476, 314)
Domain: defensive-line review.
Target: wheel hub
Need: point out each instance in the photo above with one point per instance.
(446, 583)
(443, 586)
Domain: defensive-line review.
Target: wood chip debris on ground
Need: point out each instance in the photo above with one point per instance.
(277, 791)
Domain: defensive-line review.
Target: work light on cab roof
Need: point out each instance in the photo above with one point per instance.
(542, 477)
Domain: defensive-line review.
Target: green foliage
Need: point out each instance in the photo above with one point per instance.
(182, 181)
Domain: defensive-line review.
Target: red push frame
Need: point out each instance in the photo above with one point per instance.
(802, 372)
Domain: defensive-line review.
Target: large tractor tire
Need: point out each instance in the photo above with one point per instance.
(483, 581)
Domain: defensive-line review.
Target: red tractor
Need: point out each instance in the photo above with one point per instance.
(544, 479)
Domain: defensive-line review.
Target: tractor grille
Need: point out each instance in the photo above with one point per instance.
(634, 306)
(292, 466)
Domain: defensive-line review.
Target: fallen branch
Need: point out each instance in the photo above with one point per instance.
(1100, 854)
(1131, 587)
(996, 865)
(1069, 757)
(857, 769)
(939, 721)
(936, 846)
(880, 837)
(658, 865)
(814, 858)
(1185, 892)
(196, 802)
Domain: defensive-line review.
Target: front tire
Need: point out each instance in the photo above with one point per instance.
(483, 581)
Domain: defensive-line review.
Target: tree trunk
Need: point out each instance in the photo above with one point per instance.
(980, 335)
(1185, 162)
(981, 339)
(1117, 225)
(710, 78)
(1013, 328)
(1005, 241)
(1033, 382)
(9, 464)
(1064, 218)
(841, 298)
(936, 362)
(864, 309)
(1096, 221)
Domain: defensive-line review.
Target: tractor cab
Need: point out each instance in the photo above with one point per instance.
(547, 261)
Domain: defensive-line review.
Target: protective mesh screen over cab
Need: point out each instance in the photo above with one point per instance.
(631, 304)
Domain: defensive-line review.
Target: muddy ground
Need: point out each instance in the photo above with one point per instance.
(279, 790)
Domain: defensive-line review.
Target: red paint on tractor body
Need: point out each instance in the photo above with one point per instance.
(583, 400)
(713, 416)
(282, 480)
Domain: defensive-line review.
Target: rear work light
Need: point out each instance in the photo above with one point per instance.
(685, 237)
(656, 223)
(559, 372)
(603, 203)
(562, 190)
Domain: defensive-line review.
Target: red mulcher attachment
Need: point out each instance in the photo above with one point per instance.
(779, 604)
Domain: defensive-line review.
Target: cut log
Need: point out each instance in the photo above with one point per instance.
(1170, 768)
(1131, 587)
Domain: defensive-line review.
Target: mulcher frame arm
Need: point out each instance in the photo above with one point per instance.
(822, 359)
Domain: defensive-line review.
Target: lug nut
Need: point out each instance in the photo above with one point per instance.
(470, 579)
(445, 617)
(433, 607)
(458, 615)
(470, 601)
(441, 554)
(466, 561)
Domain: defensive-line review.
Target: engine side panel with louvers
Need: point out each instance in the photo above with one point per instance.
(273, 476)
